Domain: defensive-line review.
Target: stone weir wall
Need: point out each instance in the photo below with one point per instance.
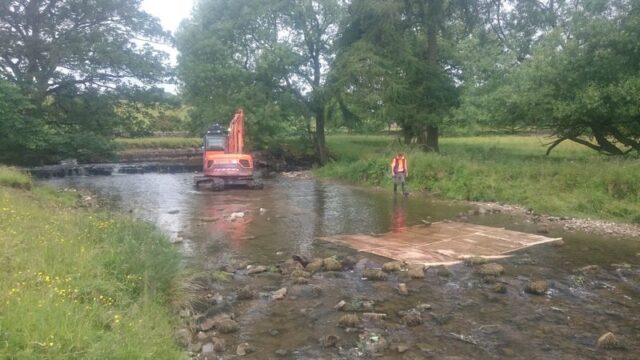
(63, 170)
(162, 163)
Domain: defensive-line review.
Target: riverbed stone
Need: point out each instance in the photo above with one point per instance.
(183, 336)
(349, 321)
(499, 288)
(279, 294)
(331, 264)
(369, 316)
(246, 293)
(314, 266)
(412, 318)
(299, 273)
(416, 271)
(608, 341)
(282, 352)
(257, 269)
(349, 262)
(301, 280)
(227, 326)
(491, 269)
(538, 287)
(290, 266)
(207, 350)
(329, 341)
(219, 344)
(392, 266)
(443, 271)
(374, 274)
(402, 289)
(303, 260)
(244, 349)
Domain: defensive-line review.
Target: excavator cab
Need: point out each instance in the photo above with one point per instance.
(223, 162)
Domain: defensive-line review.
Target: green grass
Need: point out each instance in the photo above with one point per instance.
(572, 181)
(158, 143)
(12, 178)
(76, 283)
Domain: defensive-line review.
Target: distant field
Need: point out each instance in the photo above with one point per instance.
(158, 143)
(572, 181)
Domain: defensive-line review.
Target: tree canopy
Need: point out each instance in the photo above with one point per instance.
(74, 60)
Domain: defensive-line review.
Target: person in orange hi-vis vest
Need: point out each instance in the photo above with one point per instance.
(400, 171)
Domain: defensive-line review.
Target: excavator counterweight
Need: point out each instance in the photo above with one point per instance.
(223, 161)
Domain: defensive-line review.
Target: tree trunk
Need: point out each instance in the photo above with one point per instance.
(321, 147)
(433, 134)
(434, 8)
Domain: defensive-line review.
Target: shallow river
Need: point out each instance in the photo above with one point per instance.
(460, 314)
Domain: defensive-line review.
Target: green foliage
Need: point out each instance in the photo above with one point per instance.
(77, 283)
(267, 57)
(72, 62)
(579, 81)
(512, 169)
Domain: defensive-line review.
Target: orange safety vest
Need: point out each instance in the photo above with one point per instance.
(399, 165)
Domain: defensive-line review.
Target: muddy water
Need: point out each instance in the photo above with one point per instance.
(466, 317)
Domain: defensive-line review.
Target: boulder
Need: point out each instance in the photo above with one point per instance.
(348, 262)
(402, 289)
(329, 341)
(219, 344)
(331, 264)
(257, 269)
(244, 349)
(290, 266)
(538, 287)
(608, 341)
(416, 271)
(279, 294)
(246, 293)
(392, 266)
(349, 321)
(491, 269)
(314, 266)
(227, 326)
(412, 318)
(374, 274)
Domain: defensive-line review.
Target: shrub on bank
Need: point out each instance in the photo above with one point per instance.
(13, 178)
(572, 181)
(76, 283)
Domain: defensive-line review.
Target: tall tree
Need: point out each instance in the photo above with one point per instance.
(269, 56)
(394, 47)
(64, 55)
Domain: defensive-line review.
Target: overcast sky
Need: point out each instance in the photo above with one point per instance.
(170, 13)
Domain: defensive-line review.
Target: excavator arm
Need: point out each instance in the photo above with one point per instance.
(236, 133)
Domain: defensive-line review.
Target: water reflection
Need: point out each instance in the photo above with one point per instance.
(399, 214)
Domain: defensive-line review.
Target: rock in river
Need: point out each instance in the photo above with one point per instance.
(392, 266)
(244, 349)
(331, 264)
(538, 287)
(491, 269)
(314, 266)
(608, 341)
(257, 269)
(374, 274)
(349, 321)
(416, 271)
(279, 294)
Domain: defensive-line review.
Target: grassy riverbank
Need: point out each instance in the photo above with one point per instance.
(79, 283)
(572, 181)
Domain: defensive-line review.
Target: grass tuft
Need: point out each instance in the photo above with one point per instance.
(14, 178)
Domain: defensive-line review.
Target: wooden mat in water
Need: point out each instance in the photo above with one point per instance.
(441, 243)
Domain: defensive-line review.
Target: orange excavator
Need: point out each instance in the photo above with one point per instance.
(223, 162)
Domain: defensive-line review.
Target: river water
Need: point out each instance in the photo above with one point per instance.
(594, 281)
